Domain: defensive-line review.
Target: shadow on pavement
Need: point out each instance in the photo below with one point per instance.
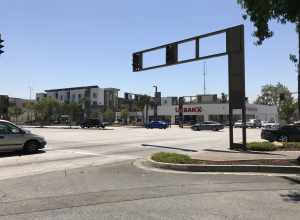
(292, 196)
(19, 153)
(242, 151)
(173, 148)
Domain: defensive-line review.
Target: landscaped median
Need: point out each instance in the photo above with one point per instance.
(273, 146)
(180, 162)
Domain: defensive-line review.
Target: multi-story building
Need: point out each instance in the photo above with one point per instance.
(93, 98)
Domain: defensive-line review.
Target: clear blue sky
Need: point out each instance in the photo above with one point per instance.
(64, 43)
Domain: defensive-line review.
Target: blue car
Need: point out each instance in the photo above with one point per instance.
(158, 124)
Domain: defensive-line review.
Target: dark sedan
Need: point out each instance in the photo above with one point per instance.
(90, 123)
(284, 133)
(207, 125)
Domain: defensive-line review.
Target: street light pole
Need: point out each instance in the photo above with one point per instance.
(155, 102)
(30, 96)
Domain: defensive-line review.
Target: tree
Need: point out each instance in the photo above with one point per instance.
(143, 101)
(46, 110)
(73, 110)
(270, 95)
(29, 106)
(124, 115)
(262, 11)
(287, 110)
(109, 115)
(15, 111)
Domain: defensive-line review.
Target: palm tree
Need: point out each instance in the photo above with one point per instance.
(143, 102)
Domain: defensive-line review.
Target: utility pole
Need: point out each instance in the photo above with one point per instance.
(204, 75)
(30, 96)
(155, 102)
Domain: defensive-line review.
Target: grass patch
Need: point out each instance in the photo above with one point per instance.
(271, 146)
(261, 146)
(172, 158)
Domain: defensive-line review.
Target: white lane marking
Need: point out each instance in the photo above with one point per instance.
(81, 152)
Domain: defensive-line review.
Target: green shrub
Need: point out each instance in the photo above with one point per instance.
(172, 158)
(261, 146)
(291, 145)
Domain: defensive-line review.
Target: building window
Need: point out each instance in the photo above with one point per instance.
(79, 96)
(61, 97)
(56, 95)
(94, 95)
(174, 101)
(94, 103)
(166, 101)
(73, 97)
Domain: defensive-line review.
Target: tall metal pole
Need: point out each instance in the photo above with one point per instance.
(155, 103)
(30, 96)
(204, 75)
(298, 69)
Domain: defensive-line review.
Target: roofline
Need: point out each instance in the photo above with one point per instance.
(72, 88)
(111, 89)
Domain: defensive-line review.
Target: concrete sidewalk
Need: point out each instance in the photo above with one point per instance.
(225, 155)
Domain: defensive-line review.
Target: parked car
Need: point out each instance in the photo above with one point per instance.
(158, 124)
(14, 138)
(238, 124)
(253, 123)
(284, 133)
(270, 125)
(92, 123)
(207, 125)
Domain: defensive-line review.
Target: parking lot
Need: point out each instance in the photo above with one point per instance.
(73, 148)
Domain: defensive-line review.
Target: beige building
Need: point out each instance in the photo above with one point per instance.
(210, 108)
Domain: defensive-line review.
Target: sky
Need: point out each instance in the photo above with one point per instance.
(65, 43)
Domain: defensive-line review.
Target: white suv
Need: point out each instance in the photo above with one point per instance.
(14, 138)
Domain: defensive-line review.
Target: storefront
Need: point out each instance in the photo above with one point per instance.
(213, 112)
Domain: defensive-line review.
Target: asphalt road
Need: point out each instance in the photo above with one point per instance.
(74, 148)
(89, 174)
(123, 191)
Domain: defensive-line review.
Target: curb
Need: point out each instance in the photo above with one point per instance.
(223, 168)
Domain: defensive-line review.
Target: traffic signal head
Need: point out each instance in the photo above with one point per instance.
(1, 46)
(137, 62)
(171, 54)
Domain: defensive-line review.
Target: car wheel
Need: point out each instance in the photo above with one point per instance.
(31, 146)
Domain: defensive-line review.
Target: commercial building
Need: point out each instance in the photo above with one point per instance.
(209, 107)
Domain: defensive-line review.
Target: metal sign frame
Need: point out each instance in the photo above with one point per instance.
(236, 68)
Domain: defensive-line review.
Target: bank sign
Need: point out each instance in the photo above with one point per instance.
(190, 109)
